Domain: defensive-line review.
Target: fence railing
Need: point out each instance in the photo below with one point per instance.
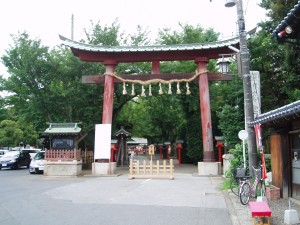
(150, 170)
(63, 154)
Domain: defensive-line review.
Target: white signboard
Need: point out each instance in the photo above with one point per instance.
(102, 141)
(255, 86)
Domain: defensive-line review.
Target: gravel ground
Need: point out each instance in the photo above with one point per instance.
(278, 208)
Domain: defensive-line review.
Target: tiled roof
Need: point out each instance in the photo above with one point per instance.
(292, 20)
(63, 128)
(99, 53)
(155, 48)
(286, 112)
(122, 132)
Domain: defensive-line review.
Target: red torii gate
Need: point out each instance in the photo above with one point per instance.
(110, 56)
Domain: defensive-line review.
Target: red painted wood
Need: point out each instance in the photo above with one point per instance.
(108, 93)
(260, 209)
(156, 67)
(207, 137)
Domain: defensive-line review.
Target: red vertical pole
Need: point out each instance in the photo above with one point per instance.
(108, 92)
(220, 154)
(168, 153)
(160, 152)
(155, 67)
(207, 137)
(220, 145)
(179, 147)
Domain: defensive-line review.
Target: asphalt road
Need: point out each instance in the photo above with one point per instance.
(38, 200)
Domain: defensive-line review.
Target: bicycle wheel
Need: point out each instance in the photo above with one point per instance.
(234, 187)
(260, 189)
(245, 193)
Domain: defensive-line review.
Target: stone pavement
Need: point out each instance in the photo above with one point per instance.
(189, 199)
(239, 214)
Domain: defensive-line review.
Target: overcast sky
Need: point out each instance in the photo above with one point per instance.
(47, 19)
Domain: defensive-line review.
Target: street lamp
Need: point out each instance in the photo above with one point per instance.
(248, 102)
(223, 65)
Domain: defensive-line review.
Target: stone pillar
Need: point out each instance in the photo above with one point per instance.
(108, 92)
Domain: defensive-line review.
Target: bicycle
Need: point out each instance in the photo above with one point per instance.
(248, 189)
(239, 174)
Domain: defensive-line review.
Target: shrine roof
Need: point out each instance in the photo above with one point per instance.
(98, 53)
(290, 20)
(63, 128)
(284, 113)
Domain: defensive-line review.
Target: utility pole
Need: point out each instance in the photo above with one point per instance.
(248, 101)
(72, 27)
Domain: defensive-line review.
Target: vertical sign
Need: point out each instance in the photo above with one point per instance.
(255, 86)
(102, 141)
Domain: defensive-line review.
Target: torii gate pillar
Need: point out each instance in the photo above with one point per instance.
(208, 166)
(108, 100)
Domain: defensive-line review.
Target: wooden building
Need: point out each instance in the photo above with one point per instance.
(284, 145)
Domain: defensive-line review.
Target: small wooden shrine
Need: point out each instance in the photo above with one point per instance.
(62, 156)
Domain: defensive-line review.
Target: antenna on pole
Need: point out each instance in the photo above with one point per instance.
(72, 27)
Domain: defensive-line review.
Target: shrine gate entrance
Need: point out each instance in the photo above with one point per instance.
(200, 53)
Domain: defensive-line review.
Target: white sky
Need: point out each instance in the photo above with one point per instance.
(47, 19)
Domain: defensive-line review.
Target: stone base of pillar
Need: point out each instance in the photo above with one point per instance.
(209, 168)
(103, 168)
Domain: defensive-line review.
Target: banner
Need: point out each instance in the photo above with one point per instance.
(258, 136)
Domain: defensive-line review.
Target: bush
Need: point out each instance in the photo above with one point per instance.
(237, 161)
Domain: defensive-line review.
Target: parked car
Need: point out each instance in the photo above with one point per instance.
(32, 151)
(15, 160)
(2, 152)
(37, 163)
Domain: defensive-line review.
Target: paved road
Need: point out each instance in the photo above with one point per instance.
(38, 200)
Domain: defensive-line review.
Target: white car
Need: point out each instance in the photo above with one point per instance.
(32, 151)
(37, 163)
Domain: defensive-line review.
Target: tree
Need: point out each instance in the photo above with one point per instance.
(12, 133)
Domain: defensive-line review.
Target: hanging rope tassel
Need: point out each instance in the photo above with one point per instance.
(150, 91)
(160, 89)
(188, 92)
(132, 90)
(124, 89)
(143, 91)
(178, 89)
(170, 89)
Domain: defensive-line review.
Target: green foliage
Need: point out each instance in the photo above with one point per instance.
(230, 123)
(278, 63)
(194, 138)
(237, 161)
(12, 133)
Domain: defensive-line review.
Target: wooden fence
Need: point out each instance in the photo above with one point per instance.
(150, 170)
(63, 154)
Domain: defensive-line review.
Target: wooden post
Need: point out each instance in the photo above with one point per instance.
(138, 167)
(165, 167)
(131, 168)
(207, 137)
(151, 167)
(108, 92)
(171, 169)
(144, 167)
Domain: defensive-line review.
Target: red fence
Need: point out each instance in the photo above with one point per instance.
(63, 154)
